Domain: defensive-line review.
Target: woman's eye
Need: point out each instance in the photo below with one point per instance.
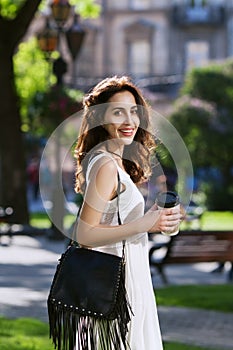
(118, 113)
(121, 112)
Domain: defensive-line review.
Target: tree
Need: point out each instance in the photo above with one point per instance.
(204, 118)
(32, 76)
(15, 18)
(49, 109)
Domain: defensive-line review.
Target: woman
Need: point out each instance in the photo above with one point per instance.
(115, 145)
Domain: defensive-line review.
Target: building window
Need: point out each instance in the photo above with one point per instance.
(139, 42)
(139, 58)
(197, 3)
(197, 54)
(140, 4)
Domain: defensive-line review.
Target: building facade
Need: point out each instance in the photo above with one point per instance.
(155, 41)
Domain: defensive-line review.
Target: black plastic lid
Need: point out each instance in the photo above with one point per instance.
(167, 199)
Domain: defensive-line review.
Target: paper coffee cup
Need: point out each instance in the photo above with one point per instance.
(168, 199)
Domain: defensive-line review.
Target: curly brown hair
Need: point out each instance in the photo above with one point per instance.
(136, 156)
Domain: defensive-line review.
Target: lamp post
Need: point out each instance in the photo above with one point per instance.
(49, 40)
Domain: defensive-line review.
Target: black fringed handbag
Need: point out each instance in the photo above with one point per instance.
(87, 304)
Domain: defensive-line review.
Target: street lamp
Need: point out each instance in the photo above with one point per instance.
(75, 35)
(49, 37)
(60, 11)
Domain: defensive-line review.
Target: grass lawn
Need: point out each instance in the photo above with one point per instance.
(209, 297)
(176, 346)
(217, 220)
(41, 220)
(24, 334)
(31, 334)
(210, 220)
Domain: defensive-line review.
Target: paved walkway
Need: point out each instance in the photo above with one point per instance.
(27, 267)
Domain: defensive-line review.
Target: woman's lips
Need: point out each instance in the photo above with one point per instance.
(127, 132)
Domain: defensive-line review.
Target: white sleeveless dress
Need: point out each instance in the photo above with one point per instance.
(144, 329)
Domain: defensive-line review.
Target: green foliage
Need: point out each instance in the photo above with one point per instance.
(48, 109)
(43, 105)
(86, 8)
(213, 83)
(9, 8)
(192, 118)
(204, 118)
(32, 74)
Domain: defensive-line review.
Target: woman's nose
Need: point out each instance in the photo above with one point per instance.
(128, 118)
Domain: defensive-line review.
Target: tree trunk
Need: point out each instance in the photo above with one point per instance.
(12, 162)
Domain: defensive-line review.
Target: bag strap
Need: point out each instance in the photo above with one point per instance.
(118, 211)
(72, 242)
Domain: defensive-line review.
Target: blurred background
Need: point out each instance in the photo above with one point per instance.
(179, 52)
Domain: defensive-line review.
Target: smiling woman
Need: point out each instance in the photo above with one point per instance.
(121, 118)
(115, 105)
(113, 158)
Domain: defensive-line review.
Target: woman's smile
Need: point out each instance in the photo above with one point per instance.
(127, 132)
(121, 118)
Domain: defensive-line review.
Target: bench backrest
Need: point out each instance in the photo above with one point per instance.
(200, 246)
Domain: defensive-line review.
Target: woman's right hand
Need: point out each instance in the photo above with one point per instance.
(165, 220)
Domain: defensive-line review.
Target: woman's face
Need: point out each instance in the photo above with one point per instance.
(121, 119)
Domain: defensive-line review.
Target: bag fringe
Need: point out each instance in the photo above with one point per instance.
(68, 328)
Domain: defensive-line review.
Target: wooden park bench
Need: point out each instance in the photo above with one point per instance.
(190, 247)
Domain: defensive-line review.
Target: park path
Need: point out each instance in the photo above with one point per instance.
(27, 267)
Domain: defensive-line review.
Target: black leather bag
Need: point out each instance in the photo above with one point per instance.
(87, 304)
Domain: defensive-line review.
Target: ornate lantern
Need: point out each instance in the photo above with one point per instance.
(60, 11)
(48, 38)
(75, 36)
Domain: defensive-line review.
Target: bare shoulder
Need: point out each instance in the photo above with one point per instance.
(103, 178)
(104, 167)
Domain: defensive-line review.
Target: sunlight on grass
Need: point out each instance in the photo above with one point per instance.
(176, 346)
(210, 297)
(42, 220)
(24, 334)
(209, 221)
(217, 220)
(31, 334)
